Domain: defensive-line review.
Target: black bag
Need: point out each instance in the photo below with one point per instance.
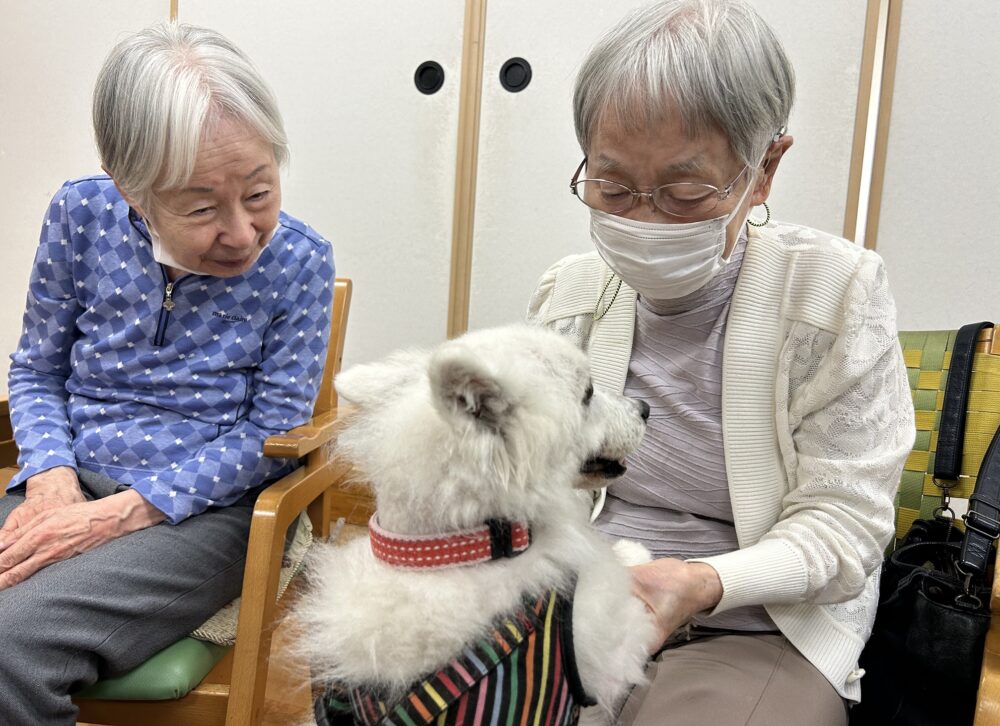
(923, 659)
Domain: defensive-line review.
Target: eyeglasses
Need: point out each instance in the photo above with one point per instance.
(685, 200)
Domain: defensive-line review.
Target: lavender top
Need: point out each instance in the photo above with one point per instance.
(674, 498)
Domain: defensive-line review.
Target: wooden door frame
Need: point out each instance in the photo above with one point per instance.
(871, 121)
(467, 162)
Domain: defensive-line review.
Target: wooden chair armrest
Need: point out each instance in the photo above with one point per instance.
(288, 497)
(277, 507)
(988, 698)
(995, 596)
(303, 439)
(8, 449)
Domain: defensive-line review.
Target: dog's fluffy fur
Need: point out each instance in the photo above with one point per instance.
(496, 424)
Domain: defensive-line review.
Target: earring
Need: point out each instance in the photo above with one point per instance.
(767, 219)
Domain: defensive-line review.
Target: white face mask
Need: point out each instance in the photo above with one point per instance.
(162, 255)
(662, 261)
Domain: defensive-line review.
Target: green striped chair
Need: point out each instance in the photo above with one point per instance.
(928, 356)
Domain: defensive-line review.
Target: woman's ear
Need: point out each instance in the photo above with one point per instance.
(771, 160)
(131, 202)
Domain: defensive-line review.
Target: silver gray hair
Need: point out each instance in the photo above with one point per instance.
(157, 93)
(714, 63)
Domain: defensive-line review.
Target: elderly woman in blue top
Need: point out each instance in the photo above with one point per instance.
(767, 352)
(175, 319)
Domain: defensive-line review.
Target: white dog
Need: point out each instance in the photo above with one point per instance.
(495, 426)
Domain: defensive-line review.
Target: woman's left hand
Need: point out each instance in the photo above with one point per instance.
(58, 534)
(674, 591)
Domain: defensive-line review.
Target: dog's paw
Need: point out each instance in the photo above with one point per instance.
(595, 716)
(630, 552)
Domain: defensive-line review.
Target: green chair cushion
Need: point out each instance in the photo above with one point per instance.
(171, 673)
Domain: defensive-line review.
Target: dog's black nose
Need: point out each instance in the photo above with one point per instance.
(644, 410)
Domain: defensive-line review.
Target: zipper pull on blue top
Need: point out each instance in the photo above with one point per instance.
(168, 303)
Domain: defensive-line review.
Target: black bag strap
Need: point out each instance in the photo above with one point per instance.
(983, 517)
(982, 521)
(951, 431)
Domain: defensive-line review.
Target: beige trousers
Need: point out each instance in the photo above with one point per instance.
(733, 680)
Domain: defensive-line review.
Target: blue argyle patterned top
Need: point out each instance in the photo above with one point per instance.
(174, 400)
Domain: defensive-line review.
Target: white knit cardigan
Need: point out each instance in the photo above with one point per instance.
(817, 420)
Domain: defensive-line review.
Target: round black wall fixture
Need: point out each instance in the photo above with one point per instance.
(429, 77)
(515, 75)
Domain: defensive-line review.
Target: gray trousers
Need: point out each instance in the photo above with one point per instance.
(103, 612)
(734, 680)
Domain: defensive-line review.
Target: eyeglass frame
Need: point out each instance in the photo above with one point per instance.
(722, 194)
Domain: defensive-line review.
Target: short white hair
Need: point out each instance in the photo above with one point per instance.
(159, 90)
(714, 63)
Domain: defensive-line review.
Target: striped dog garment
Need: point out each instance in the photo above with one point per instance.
(523, 673)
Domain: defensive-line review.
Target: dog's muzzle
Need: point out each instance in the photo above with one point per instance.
(604, 468)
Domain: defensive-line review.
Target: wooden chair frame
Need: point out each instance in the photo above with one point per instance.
(988, 699)
(233, 692)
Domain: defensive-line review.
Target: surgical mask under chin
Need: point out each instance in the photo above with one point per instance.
(662, 261)
(162, 255)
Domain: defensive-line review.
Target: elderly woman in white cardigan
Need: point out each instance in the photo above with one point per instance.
(767, 352)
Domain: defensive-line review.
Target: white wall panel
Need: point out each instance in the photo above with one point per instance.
(373, 159)
(525, 216)
(824, 41)
(50, 55)
(938, 223)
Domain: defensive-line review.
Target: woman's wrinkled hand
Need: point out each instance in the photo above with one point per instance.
(58, 533)
(674, 591)
(52, 489)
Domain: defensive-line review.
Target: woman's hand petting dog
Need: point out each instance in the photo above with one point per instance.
(674, 591)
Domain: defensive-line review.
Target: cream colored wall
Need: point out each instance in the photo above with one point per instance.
(525, 216)
(373, 160)
(49, 58)
(938, 229)
(824, 41)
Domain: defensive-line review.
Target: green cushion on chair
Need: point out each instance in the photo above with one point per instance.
(171, 673)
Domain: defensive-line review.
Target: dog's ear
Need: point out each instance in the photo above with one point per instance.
(373, 384)
(463, 386)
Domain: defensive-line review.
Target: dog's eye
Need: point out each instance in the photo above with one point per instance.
(588, 394)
